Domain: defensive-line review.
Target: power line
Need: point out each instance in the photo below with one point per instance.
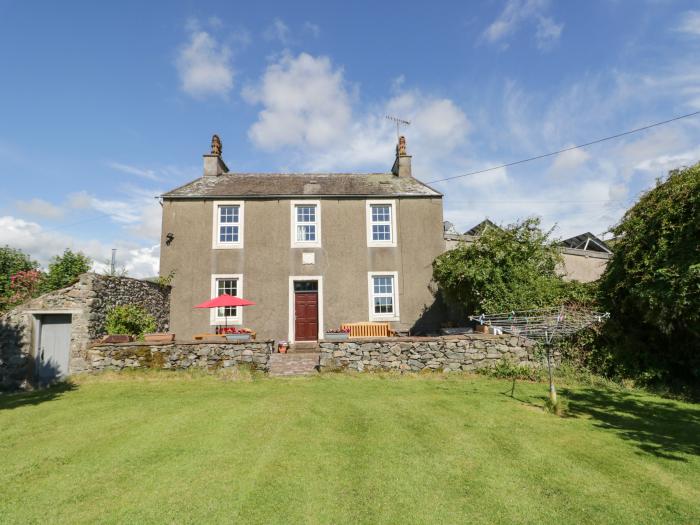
(597, 141)
(82, 221)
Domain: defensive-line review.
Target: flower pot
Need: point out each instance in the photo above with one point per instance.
(117, 338)
(238, 337)
(159, 338)
(336, 337)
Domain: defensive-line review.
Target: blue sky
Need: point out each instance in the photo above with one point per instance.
(104, 105)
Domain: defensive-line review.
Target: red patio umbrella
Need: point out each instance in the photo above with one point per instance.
(225, 300)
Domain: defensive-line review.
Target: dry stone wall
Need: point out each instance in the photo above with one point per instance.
(108, 292)
(87, 301)
(179, 355)
(466, 352)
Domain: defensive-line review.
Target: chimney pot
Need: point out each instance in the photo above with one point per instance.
(402, 164)
(214, 165)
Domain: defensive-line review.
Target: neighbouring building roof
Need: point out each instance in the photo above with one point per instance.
(586, 241)
(481, 228)
(449, 228)
(263, 185)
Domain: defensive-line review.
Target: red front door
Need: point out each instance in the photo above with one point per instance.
(306, 316)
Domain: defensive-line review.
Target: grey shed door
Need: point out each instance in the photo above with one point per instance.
(54, 347)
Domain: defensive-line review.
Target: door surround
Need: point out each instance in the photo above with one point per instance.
(292, 278)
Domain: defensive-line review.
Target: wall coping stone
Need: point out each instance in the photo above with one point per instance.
(423, 339)
(97, 345)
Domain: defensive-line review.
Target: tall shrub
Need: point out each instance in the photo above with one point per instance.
(504, 269)
(13, 263)
(65, 269)
(651, 285)
(131, 320)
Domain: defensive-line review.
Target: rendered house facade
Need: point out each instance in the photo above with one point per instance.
(312, 250)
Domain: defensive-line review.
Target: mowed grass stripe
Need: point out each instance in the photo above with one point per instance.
(150, 448)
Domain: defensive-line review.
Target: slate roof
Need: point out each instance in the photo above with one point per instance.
(481, 228)
(587, 241)
(265, 185)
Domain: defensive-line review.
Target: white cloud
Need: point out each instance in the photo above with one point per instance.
(566, 164)
(40, 208)
(204, 65)
(43, 244)
(548, 32)
(517, 13)
(690, 23)
(312, 29)
(134, 170)
(305, 103)
(278, 30)
(308, 107)
(139, 213)
(79, 200)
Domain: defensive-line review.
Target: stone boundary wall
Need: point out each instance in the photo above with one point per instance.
(178, 355)
(413, 354)
(87, 301)
(108, 291)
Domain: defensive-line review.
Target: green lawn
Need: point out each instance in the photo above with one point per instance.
(153, 448)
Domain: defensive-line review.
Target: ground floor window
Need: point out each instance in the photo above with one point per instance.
(383, 296)
(231, 285)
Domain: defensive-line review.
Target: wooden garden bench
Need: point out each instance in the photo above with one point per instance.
(368, 329)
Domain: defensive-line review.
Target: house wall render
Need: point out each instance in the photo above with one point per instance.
(267, 260)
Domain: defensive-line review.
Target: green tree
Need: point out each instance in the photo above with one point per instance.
(12, 262)
(65, 269)
(651, 286)
(512, 268)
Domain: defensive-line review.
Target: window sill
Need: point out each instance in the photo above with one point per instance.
(303, 245)
(375, 319)
(236, 246)
(223, 322)
(381, 245)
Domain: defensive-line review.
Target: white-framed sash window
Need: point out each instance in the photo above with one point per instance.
(306, 224)
(228, 224)
(383, 296)
(230, 284)
(381, 223)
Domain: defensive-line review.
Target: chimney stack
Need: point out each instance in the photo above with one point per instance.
(214, 165)
(402, 164)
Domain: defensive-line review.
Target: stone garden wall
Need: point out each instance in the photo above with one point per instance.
(178, 355)
(413, 354)
(87, 301)
(108, 292)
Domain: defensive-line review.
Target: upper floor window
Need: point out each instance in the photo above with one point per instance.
(383, 297)
(228, 224)
(381, 223)
(306, 224)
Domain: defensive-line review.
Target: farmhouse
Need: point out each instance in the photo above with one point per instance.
(312, 251)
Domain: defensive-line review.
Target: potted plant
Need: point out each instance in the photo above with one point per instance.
(337, 334)
(159, 338)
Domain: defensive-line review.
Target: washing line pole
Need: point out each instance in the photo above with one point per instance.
(544, 326)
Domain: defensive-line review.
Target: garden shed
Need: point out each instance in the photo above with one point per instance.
(47, 337)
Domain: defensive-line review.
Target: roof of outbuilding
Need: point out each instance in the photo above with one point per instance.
(262, 185)
(586, 241)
